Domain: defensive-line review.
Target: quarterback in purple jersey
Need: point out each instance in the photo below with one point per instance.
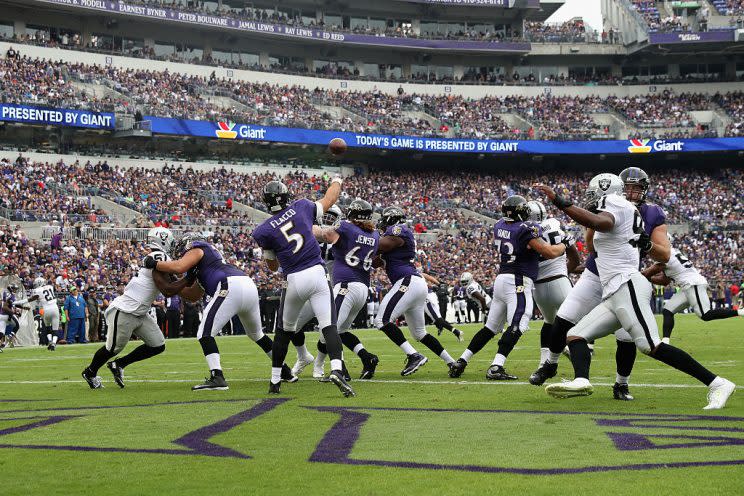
(407, 296)
(520, 246)
(353, 245)
(287, 241)
(587, 293)
(230, 292)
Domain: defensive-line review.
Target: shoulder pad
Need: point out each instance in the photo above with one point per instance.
(551, 224)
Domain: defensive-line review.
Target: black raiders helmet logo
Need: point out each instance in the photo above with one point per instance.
(604, 184)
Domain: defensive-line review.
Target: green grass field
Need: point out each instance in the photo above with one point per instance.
(425, 434)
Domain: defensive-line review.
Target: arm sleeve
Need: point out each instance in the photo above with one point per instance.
(318, 212)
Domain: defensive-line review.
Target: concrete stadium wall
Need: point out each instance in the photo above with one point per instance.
(71, 56)
(126, 163)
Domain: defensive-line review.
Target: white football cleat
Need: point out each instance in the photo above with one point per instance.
(568, 389)
(718, 395)
(319, 368)
(301, 363)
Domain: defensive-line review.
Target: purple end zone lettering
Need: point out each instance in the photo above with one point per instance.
(339, 441)
(195, 442)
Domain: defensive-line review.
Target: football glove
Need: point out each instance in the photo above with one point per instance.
(568, 239)
(643, 242)
(150, 262)
(562, 202)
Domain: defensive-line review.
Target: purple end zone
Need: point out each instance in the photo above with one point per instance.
(195, 442)
(339, 441)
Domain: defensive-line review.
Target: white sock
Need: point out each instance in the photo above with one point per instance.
(407, 348)
(444, 355)
(49, 338)
(665, 340)
(302, 351)
(620, 379)
(741, 312)
(276, 375)
(358, 348)
(499, 359)
(544, 354)
(336, 364)
(320, 357)
(553, 357)
(466, 355)
(718, 381)
(213, 361)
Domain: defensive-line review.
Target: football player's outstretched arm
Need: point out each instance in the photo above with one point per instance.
(325, 235)
(661, 279)
(166, 286)
(652, 270)
(602, 221)
(183, 264)
(547, 250)
(332, 194)
(430, 279)
(661, 249)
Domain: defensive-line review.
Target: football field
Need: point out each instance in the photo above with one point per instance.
(424, 434)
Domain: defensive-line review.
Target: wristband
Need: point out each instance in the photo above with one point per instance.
(561, 202)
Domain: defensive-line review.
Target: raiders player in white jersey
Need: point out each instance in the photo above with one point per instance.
(304, 358)
(46, 300)
(129, 314)
(552, 284)
(474, 291)
(693, 292)
(619, 238)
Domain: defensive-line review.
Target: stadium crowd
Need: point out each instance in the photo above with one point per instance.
(169, 94)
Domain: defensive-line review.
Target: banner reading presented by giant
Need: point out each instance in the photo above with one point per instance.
(233, 131)
(10, 112)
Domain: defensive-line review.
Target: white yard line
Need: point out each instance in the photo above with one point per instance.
(375, 381)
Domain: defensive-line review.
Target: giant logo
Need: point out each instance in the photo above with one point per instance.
(225, 130)
(643, 146)
(639, 146)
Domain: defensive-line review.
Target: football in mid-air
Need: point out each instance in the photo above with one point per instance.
(337, 146)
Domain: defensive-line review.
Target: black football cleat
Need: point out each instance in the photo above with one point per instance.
(368, 372)
(621, 392)
(459, 334)
(275, 388)
(93, 380)
(345, 371)
(214, 383)
(497, 373)
(413, 362)
(544, 372)
(117, 372)
(457, 368)
(287, 375)
(337, 377)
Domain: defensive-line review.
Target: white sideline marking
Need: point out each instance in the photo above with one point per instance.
(375, 381)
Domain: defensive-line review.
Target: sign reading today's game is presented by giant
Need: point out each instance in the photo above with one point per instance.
(59, 117)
